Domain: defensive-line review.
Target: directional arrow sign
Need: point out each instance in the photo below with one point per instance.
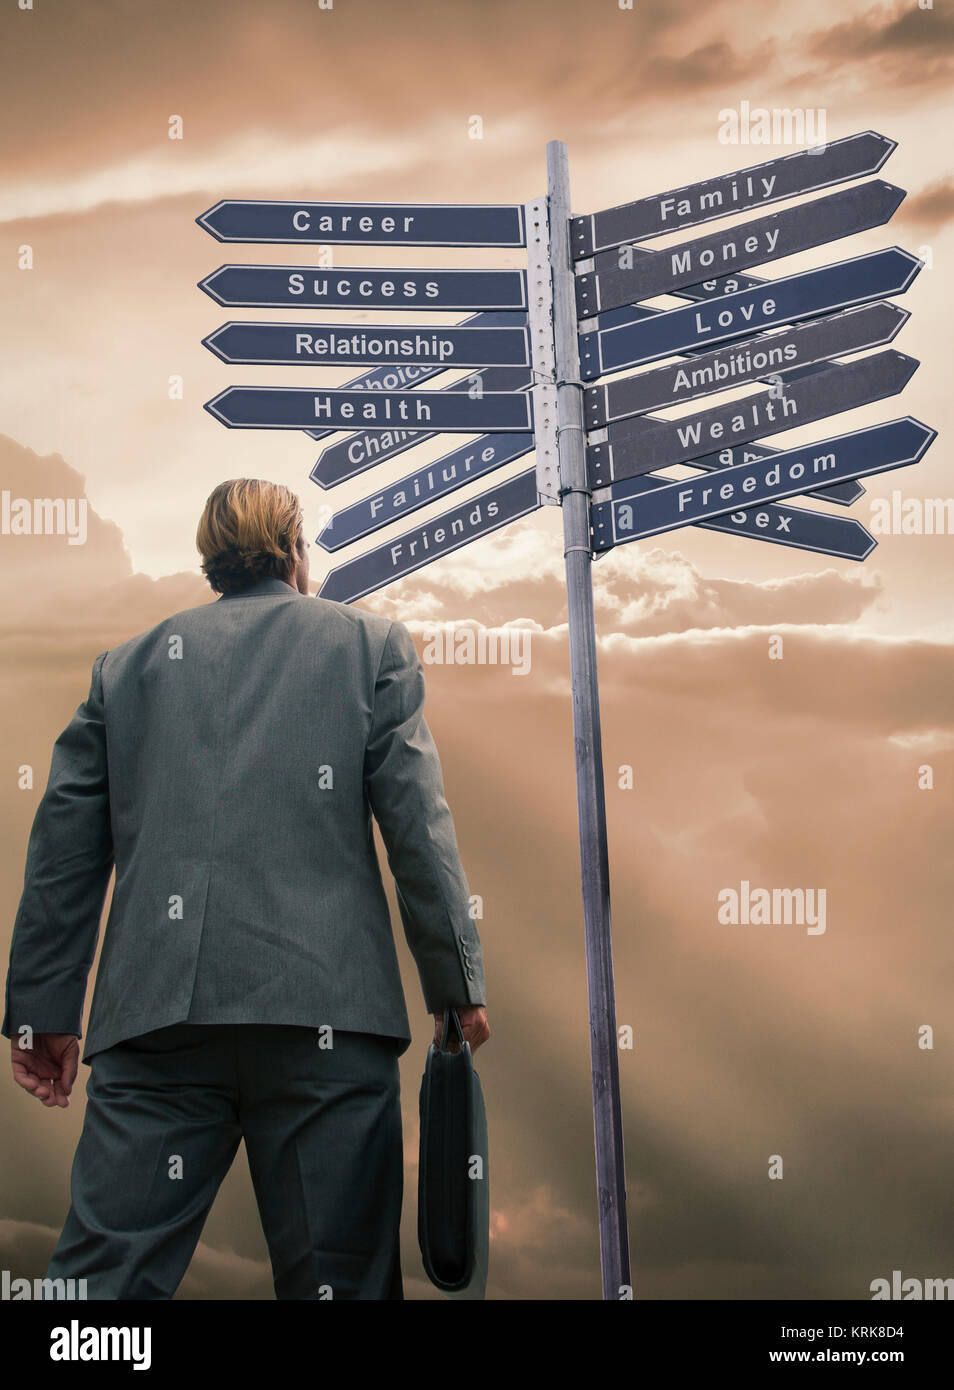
(842, 493)
(397, 377)
(411, 551)
(689, 500)
(308, 286)
(777, 522)
(738, 363)
(329, 344)
(294, 408)
(753, 187)
(620, 278)
(857, 281)
(365, 224)
(358, 452)
(425, 485)
(654, 443)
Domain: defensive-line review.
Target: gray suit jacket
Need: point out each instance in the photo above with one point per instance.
(228, 762)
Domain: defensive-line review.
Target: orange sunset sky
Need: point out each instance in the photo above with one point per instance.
(750, 1040)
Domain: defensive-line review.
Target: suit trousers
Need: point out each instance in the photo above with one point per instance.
(164, 1115)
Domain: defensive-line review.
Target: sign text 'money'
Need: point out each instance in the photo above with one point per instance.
(621, 278)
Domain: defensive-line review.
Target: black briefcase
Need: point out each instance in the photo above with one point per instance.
(453, 1191)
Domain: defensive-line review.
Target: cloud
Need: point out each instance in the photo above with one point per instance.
(906, 45)
(258, 163)
(932, 208)
(638, 591)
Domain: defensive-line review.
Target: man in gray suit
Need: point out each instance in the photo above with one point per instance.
(228, 762)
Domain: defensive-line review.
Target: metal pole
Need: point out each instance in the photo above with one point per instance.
(591, 805)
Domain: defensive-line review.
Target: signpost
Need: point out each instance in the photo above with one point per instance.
(433, 539)
(329, 344)
(365, 224)
(587, 744)
(838, 536)
(803, 172)
(359, 287)
(738, 363)
(864, 278)
(535, 386)
(817, 341)
(426, 484)
(855, 455)
(852, 210)
(357, 452)
(294, 408)
(642, 445)
(397, 377)
(842, 493)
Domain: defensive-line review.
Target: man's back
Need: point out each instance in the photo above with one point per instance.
(228, 763)
(246, 744)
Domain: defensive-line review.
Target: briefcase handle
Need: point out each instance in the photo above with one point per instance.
(445, 1030)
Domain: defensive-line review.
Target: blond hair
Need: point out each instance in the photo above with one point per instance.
(249, 529)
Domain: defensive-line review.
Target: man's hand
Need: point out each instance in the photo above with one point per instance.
(473, 1025)
(48, 1069)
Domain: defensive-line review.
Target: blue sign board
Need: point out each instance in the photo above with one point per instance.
(838, 536)
(736, 363)
(358, 452)
(294, 408)
(743, 189)
(873, 276)
(426, 484)
(398, 377)
(620, 278)
(328, 345)
(648, 443)
(366, 224)
(842, 493)
(786, 474)
(432, 539)
(354, 287)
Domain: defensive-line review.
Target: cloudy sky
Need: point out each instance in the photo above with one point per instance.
(750, 1040)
